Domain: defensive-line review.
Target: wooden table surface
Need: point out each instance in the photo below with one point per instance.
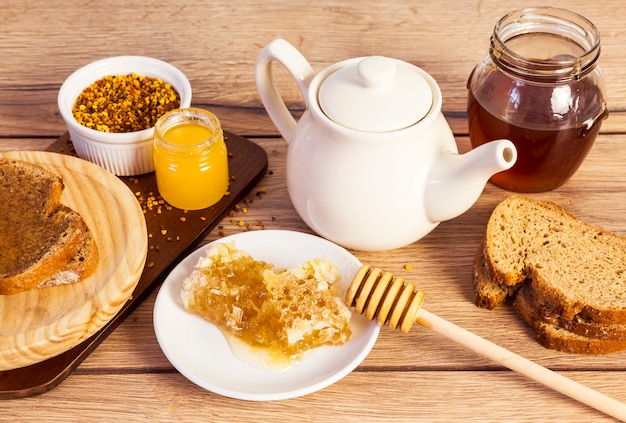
(416, 377)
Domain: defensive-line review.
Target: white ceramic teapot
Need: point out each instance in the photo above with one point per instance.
(372, 163)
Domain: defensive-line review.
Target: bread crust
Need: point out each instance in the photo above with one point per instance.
(543, 311)
(81, 265)
(488, 293)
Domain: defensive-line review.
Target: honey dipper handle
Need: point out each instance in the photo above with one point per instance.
(515, 362)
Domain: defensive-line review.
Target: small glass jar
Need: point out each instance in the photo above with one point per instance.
(540, 86)
(190, 158)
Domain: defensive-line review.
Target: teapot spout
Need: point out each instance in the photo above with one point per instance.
(457, 180)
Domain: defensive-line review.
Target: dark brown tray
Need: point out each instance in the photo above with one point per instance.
(172, 235)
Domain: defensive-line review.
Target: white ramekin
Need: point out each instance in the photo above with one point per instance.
(123, 154)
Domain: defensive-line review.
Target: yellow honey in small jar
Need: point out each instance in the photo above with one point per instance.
(190, 158)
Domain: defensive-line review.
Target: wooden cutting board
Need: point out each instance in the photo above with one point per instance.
(171, 234)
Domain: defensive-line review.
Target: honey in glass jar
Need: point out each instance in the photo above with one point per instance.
(540, 86)
(190, 158)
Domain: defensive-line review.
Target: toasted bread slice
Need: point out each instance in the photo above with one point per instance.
(39, 235)
(577, 268)
(552, 334)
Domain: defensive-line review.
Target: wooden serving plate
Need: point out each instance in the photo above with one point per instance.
(70, 314)
(170, 235)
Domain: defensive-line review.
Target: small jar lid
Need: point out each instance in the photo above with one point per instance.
(377, 94)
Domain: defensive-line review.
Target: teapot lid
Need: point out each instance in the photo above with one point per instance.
(377, 94)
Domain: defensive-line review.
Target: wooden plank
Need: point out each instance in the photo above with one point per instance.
(373, 396)
(444, 37)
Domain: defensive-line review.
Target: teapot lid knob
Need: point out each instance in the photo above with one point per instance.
(377, 94)
(376, 71)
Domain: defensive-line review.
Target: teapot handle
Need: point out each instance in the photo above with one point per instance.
(281, 51)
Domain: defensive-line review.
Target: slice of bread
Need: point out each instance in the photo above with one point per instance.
(39, 235)
(566, 278)
(578, 268)
(551, 334)
(527, 296)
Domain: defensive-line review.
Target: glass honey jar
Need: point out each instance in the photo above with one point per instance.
(540, 86)
(190, 158)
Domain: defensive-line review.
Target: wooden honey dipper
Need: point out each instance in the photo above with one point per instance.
(377, 294)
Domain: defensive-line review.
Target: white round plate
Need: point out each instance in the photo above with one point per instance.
(199, 351)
